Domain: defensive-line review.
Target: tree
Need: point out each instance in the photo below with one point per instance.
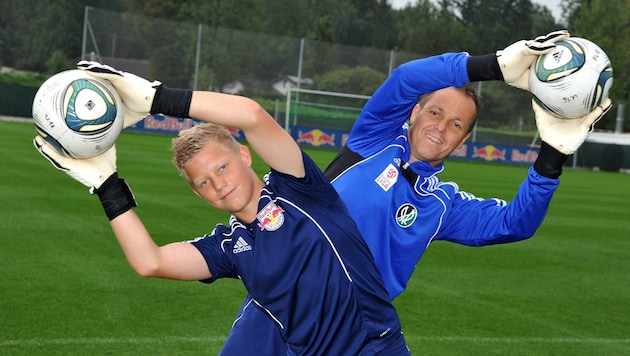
(440, 30)
(347, 80)
(612, 34)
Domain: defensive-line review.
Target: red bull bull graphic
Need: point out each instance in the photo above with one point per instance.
(315, 138)
(489, 153)
(270, 217)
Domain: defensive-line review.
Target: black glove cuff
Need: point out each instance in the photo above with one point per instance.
(484, 67)
(172, 102)
(116, 196)
(549, 161)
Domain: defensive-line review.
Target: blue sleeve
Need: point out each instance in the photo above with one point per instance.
(212, 248)
(478, 222)
(390, 106)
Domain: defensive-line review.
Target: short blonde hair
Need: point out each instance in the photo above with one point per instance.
(190, 141)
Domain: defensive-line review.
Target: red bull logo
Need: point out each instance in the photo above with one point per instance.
(527, 156)
(270, 217)
(344, 139)
(166, 123)
(460, 152)
(489, 153)
(316, 138)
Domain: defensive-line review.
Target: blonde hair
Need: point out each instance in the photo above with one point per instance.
(190, 141)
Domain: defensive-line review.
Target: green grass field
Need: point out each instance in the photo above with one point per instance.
(66, 288)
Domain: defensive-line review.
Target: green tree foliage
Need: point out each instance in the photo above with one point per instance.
(429, 30)
(607, 23)
(57, 62)
(38, 35)
(347, 80)
(33, 30)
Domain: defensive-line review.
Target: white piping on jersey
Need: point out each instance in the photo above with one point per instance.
(270, 314)
(234, 224)
(319, 227)
(249, 302)
(433, 183)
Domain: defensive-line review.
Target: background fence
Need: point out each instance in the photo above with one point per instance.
(264, 66)
(269, 67)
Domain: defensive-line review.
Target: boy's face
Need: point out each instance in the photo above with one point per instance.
(224, 178)
(440, 125)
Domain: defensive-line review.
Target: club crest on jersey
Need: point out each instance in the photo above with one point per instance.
(406, 215)
(270, 218)
(388, 177)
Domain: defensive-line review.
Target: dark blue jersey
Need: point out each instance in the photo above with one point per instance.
(305, 264)
(401, 208)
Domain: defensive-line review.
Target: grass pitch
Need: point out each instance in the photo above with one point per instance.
(66, 288)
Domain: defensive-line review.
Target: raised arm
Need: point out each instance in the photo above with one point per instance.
(141, 98)
(270, 141)
(180, 260)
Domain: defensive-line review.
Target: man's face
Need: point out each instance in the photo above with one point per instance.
(440, 125)
(224, 178)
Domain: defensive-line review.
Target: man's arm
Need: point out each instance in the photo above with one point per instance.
(478, 222)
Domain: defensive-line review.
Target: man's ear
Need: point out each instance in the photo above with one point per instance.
(461, 143)
(414, 113)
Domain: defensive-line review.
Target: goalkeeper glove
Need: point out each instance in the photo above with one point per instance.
(516, 59)
(97, 173)
(567, 135)
(135, 92)
(139, 96)
(91, 172)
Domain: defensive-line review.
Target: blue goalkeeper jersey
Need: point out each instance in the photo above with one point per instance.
(306, 266)
(401, 208)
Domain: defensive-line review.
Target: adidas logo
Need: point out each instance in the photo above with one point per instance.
(557, 56)
(241, 246)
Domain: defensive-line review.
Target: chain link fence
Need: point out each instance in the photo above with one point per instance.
(265, 67)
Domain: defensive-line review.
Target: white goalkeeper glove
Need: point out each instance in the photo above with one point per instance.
(91, 172)
(567, 135)
(135, 92)
(516, 59)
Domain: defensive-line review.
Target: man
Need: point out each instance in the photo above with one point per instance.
(290, 238)
(388, 171)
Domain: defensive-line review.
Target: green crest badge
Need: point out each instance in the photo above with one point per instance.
(406, 215)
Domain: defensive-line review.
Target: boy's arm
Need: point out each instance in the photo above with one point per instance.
(141, 98)
(268, 139)
(180, 261)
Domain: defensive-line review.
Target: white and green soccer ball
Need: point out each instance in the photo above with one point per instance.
(79, 115)
(571, 80)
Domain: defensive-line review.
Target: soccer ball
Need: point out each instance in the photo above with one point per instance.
(79, 115)
(571, 80)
